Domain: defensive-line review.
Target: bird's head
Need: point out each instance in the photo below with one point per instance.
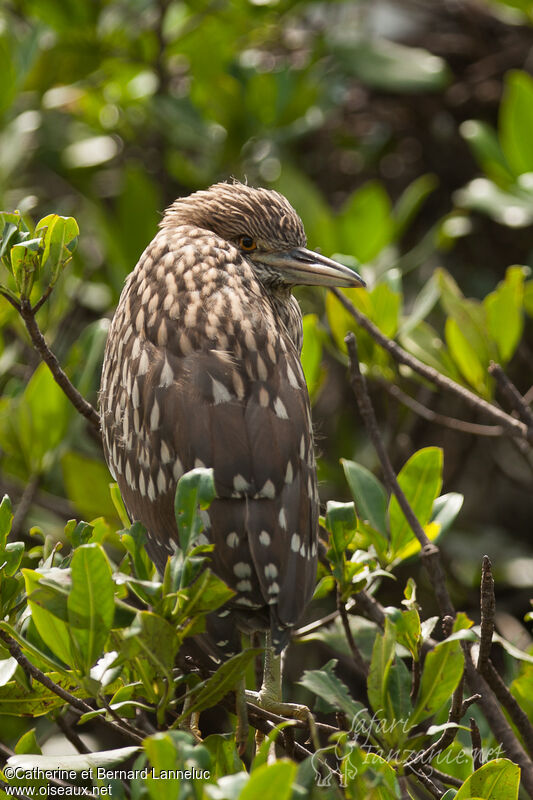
(267, 231)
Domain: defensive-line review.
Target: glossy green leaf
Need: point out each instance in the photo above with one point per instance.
(369, 775)
(369, 494)
(28, 744)
(442, 671)
(77, 762)
(466, 357)
(487, 150)
(420, 479)
(6, 519)
(382, 659)
(504, 313)
(516, 121)
(394, 67)
(59, 239)
(497, 780)
(365, 222)
(325, 684)
(196, 489)
(90, 604)
(311, 356)
(49, 612)
(270, 782)
(87, 485)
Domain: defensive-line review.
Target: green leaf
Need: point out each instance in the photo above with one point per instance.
(411, 200)
(504, 313)
(367, 775)
(18, 701)
(90, 604)
(6, 519)
(421, 480)
(328, 687)
(270, 782)
(441, 674)
(497, 780)
(393, 67)
(311, 356)
(210, 692)
(445, 510)
(487, 150)
(10, 558)
(77, 763)
(60, 238)
(87, 485)
(24, 263)
(465, 356)
(196, 489)
(49, 612)
(408, 631)
(365, 223)
(369, 494)
(516, 121)
(28, 744)
(378, 676)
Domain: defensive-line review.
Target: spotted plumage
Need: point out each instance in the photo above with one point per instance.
(202, 369)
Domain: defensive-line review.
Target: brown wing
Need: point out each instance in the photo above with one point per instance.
(209, 377)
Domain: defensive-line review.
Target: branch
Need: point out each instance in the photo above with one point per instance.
(430, 552)
(514, 426)
(488, 607)
(359, 662)
(441, 419)
(513, 396)
(33, 671)
(499, 726)
(78, 401)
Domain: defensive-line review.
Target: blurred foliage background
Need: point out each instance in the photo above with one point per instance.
(401, 130)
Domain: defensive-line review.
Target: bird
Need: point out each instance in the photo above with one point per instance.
(202, 369)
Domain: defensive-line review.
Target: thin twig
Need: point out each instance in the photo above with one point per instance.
(513, 396)
(73, 737)
(430, 552)
(400, 355)
(440, 419)
(33, 671)
(499, 726)
(359, 662)
(477, 748)
(78, 401)
(488, 607)
(516, 713)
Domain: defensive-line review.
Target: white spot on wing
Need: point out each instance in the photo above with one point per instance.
(295, 542)
(271, 571)
(242, 569)
(268, 490)
(240, 484)
(232, 539)
(280, 409)
(220, 393)
(264, 538)
(154, 416)
(167, 376)
(282, 518)
(244, 586)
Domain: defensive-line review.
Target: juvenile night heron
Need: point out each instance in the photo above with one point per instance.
(202, 368)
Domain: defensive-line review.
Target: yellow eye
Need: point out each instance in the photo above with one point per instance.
(247, 243)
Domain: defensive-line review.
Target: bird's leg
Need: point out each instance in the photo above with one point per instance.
(190, 724)
(269, 696)
(241, 733)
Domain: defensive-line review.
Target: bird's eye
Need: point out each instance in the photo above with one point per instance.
(247, 243)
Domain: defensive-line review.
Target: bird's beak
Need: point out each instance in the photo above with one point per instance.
(303, 267)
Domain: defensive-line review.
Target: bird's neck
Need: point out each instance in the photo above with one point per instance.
(288, 312)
